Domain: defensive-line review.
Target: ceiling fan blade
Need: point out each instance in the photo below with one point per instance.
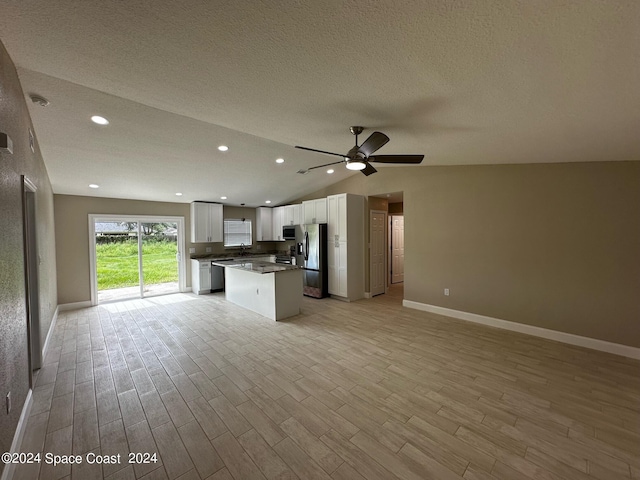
(397, 158)
(375, 141)
(325, 165)
(320, 151)
(368, 170)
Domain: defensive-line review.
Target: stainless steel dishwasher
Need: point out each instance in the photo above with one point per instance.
(217, 278)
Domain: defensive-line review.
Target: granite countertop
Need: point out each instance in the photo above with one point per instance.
(229, 256)
(256, 266)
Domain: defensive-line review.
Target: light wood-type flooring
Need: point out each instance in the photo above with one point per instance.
(344, 391)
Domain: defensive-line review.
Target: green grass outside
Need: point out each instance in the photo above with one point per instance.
(117, 264)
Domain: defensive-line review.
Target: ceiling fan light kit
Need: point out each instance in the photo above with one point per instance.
(359, 158)
(355, 165)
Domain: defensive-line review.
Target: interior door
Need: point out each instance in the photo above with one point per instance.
(397, 249)
(377, 276)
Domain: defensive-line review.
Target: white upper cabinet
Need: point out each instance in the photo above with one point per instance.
(264, 224)
(314, 211)
(206, 222)
(292, 214)
(321, 210)
(297, 214)
(278, 222)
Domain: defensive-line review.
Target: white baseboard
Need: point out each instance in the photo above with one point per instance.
(338, 297)
(367, 294)
(50, 333)
(595, 344)
(74, 306)
(9, 468)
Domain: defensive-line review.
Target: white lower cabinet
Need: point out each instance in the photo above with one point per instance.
(274, 295)
(201, 276)
(346, 248)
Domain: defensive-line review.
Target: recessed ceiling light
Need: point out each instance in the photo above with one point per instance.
(93, 185)
(223, 198)
(99, 120)
(178, 194)
(223, 148)
(267, 201)
(330, 171)
(279, 160)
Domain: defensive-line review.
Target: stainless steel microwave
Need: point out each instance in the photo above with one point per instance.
(289, 232)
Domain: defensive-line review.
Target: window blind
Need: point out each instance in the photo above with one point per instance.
(237, 233)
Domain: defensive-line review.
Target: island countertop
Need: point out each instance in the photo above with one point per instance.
(255, 266)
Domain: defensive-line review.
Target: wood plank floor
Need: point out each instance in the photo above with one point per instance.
(343, 391)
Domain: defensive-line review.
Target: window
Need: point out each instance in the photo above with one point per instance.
(237, 233)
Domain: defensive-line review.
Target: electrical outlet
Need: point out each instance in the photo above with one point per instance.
(446, 292)
(207, 250)
(192, 250)
(8, 403)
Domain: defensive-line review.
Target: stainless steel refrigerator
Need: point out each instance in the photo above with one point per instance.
(311, 256)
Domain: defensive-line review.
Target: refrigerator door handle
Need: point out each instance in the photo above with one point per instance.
(306, 246)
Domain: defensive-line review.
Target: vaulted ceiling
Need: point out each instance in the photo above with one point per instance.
(462, 82)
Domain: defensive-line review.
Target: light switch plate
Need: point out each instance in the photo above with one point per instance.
(192, 250)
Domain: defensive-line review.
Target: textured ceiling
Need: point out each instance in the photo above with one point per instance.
(461, 82)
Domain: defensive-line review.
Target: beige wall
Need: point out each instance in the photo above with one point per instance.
(72, 236)
(14, 369)
(551, 245)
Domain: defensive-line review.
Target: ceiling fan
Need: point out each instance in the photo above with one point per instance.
(360, 157)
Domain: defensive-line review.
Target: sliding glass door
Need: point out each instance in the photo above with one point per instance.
(135, 257)
(117, 266)
(159, 258)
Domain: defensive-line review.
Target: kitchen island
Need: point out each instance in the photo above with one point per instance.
(270, 289)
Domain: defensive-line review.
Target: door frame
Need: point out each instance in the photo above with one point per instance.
(31, 271)
(384, 249)
(182, 264)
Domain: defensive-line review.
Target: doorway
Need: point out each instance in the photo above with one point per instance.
(396, 246)
(135, 257)
(31, 264)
